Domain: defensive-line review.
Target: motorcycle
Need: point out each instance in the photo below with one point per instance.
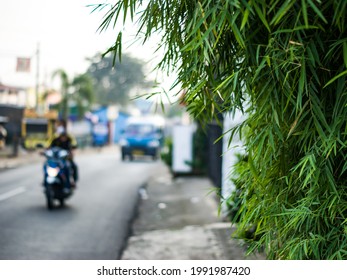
(57, 170)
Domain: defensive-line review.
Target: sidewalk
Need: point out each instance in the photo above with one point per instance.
(178, 220)
(8, 161)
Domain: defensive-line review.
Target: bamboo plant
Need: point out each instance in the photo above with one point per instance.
(287, 60)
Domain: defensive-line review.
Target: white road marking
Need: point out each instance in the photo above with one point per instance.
(12, 193)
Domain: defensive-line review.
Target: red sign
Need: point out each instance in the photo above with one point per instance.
(23, 64)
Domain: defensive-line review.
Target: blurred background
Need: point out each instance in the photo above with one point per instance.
(52, 69)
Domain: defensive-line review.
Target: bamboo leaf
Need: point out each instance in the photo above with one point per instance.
(317, 11)
(245, 18)
(261, 15)
(304, 12)
(335, 78)
(345, 53)
(237, 35)
(282, 12)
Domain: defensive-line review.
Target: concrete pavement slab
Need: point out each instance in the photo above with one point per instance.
(178, 220)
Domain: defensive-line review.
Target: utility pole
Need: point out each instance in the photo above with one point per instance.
(37, 76)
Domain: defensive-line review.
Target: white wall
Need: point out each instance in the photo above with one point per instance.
(182, 137)
(229, 152)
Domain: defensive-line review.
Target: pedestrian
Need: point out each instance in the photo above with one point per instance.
(3, 135)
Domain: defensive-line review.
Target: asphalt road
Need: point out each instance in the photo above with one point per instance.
(93, 224)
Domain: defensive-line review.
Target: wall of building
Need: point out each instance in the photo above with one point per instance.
(230, 151)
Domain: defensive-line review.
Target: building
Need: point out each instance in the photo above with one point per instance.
(14, 96)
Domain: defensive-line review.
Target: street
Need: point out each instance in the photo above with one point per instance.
(93, 224)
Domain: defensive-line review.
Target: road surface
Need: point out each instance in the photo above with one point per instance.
(93, 224)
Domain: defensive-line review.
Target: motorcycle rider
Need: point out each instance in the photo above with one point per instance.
(68, 143)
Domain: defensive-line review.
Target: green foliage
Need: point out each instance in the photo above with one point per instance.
(240, 199)
(78, 91)
(200, 147)
(83, 94)
(113, 83)
(234, 201)
(166, 152)
(287, 61)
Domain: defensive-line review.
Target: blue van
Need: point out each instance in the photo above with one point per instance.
(142, 137)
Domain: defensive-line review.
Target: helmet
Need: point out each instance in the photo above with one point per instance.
(61, 130)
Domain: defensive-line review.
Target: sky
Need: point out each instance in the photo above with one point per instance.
(64, 31)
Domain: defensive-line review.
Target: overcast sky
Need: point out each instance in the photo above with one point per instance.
(66, 32)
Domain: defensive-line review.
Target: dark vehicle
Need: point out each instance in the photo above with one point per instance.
(57, 170)
(142, 137)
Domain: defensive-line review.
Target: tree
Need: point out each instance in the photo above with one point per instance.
(114, 83)
(78, 91)
(283, 63)
(64, 87)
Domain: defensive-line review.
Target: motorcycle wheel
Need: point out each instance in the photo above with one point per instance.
(49, 198)
(62, 202)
